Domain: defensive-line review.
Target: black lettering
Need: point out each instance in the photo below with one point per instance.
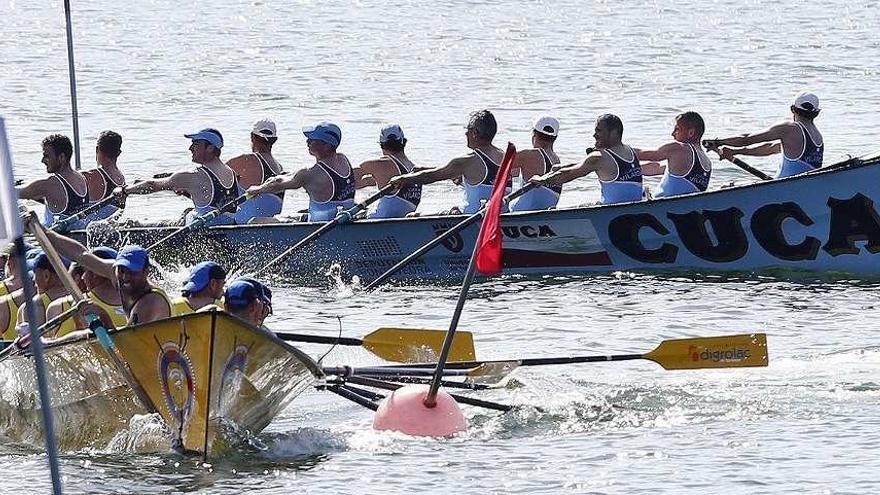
(528, 231)
(852, 220)
(732, 241)
(511, 232)
(546, 231)
(767, 229)
(623, 231)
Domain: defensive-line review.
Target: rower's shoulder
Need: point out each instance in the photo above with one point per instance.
(247, 159)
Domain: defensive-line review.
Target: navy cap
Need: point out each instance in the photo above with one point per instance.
(325, 131)
(265, 292)
(132, 257)
(239, 294)
(210, 135)
(104, 252)
(36, 258)
(201, 275)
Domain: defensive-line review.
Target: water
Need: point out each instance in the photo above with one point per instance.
(808, 423)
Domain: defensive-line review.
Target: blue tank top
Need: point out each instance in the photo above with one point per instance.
(411, 193)
(267, 173)
(475, 195)
(539, 198)
(401, 203)
(342, 195)
(695, 180)
(220, 195)
(75, 202)
(627, 185)
(809, 159)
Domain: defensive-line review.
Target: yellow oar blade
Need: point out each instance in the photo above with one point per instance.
(729, 351)
(417, 345)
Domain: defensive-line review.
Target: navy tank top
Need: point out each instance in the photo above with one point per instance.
(698, 176)
(221, 194)
(268, 173)
(548, 165)
(343, 187)
(109, 184)
(411, 193)
(75, 201)
(627, 170)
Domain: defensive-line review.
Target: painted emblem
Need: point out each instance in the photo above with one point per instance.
(454, 243)
(176, 379)
(230, 379)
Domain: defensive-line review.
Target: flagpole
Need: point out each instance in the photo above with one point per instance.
(72, 73)
(10, 227)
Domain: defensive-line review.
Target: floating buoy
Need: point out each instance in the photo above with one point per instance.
(404, 410)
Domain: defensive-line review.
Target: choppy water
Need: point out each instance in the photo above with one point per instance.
(808, 423)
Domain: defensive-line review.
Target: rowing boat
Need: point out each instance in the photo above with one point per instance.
(824, 221)
(210, 376)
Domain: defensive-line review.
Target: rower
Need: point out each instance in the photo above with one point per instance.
(329, 183)
(538, 161)
(256, 168)
(9, 303)
(246, 300)
(142, 300)
(99, 290)
(616, 165)
(49, 288)
(687, 167)
(802, 145)
(203, 287)
(65, 191)
(211, 185)
(106, 177)
(476, 170)
(379, 171)
(12, 282)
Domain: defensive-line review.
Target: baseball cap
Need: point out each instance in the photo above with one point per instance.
(807, 101)
(10, 248)
(37, 258)
(104, 252)
(547, 126)
(265, 128)
(210, 135)
(325, 131)
(201, 275)
(391, 132)
(239, 294)
(132, 257)
(265, 292)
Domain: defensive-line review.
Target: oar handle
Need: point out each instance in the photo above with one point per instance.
(712, 145)
(317, 339)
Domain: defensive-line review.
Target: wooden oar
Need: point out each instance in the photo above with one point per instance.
(437, 240)
(343, 217)
(400, 345)
(712, 145)
(201, 220)
(728, 351)
(94, 323)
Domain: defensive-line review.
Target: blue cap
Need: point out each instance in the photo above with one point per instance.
(212, 136)
(132, 257)
(36, 258)
(201, 275)
(326, 132)
(239, 294)
(104, 252)
(265, 292)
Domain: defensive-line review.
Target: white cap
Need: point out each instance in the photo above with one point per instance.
(264, 128)
(547, 126)
(807, 101)
(391, 132)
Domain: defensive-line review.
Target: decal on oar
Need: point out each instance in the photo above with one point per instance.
(178, 384)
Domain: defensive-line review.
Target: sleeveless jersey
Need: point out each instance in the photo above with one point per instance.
(153, 290)
(475, 195)
(695, 180)
(107, 210)
(220, 194)
(9, 332)
(73, 204)
(402, 201)
(539, 198)
(627, 185)
(809, 159)
(117, 314)
(342, 195)
(264, 204)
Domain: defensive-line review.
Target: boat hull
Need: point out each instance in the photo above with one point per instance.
(822, 221)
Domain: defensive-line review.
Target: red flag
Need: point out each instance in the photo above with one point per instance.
(489, 241)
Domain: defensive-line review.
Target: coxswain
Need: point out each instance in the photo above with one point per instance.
(329, 182)
(539, 160)
(687, 168)
(799, 140)
(615, 164)
(475, 170)
(106, 177)
(256, 168)
(246, 299)
(211, 185)
(65, 192)
(379, 171)
(204, 287)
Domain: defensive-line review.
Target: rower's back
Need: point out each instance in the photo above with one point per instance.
(803, 147)
(620, 175)
(481, 166)
(330, 186)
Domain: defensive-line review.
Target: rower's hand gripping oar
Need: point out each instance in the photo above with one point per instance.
(344, 216)
(400, 345)
(94, 323)
(712, 145)
(726, 351)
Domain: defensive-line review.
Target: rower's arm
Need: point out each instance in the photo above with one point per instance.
(662, 153)
(770, 134)
(75, 251)
(36, 190)
(572, 172)
(455, 168)
(765, 149)
(179, 181)
(363, 174)
(653, 168)
(282, 182)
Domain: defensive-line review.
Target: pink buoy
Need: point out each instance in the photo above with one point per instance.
(405, 411)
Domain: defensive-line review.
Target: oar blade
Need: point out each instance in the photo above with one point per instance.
(417, 345)
(728, 351)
